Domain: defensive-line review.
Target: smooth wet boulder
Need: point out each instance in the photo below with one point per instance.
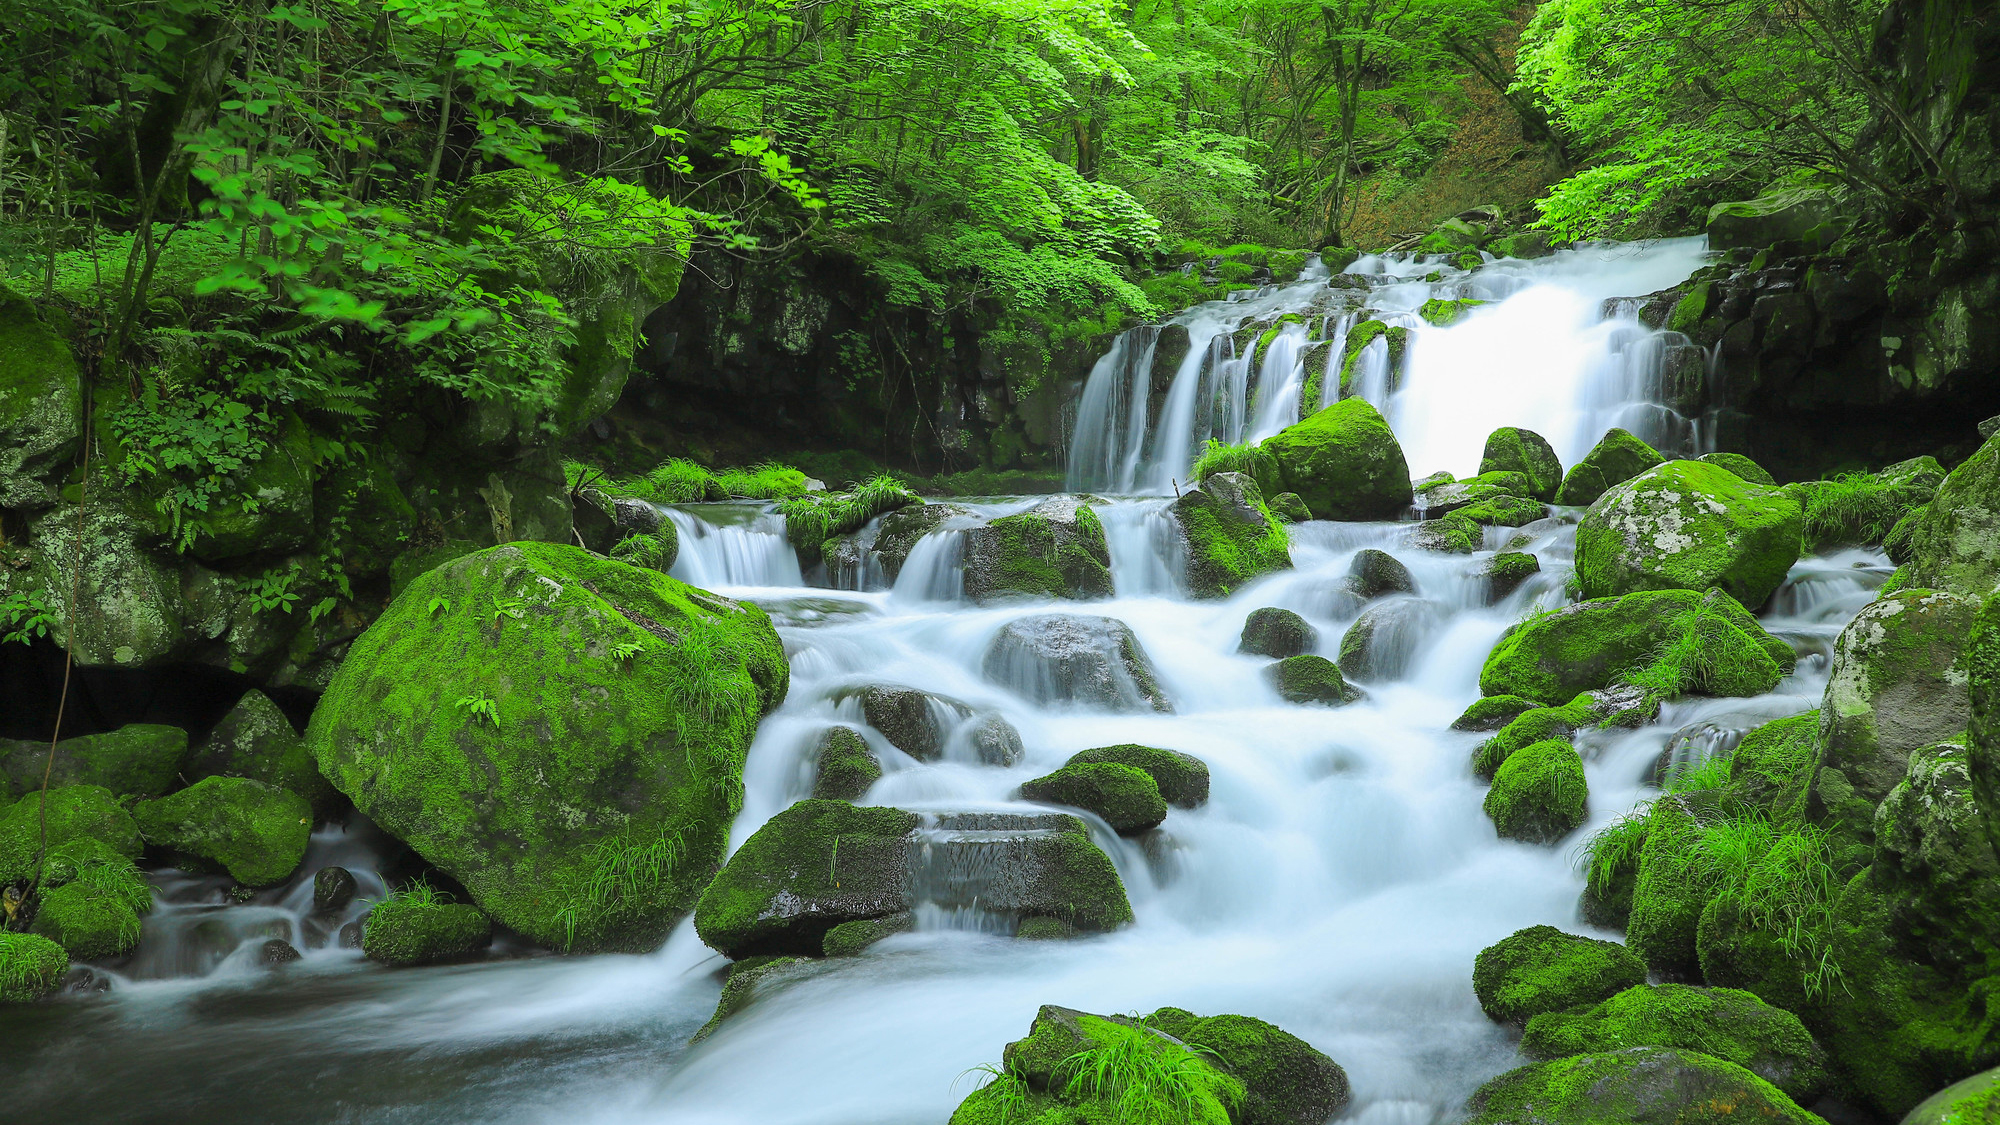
(747, 980)
(1742, 466)
(1542, 969)
(527, 714)
(1182, 778)
(1972, 1100)
(424, 930)
(844, 768)
(256, 740)
(1276, 633)
(1072, 659)
(897, 533)
(992, 740)
(1615, 459)
(31, 967)
(1539, 794)
(1514, 450)
(1505, 572)
(1054, 550)
(1344, 462)
(41, 405)
(75, 812)
(1687, 525)
(256, 832)
(1492, 712)
(143, 760)
(1373, 573)
(915, 722)
(1728, 1023)
(1898, 683)
(1310, 679)
(333, 889)
(1955, 544)
(130, 607)
(1635, 1086)
(1230, 535)
(1383, 642)
(1288, 507)
(1588, 645)
(1128, 799)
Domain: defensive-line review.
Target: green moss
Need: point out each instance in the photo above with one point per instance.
(31, 967)
(256, 832)
(524, 715)
(1687, 525)
(1726, 1023)
(1506, 571)
(1690, 309)
(1182, 779)
(1593, 644)
(812, 519)
(652, 550)
(1493, 712)
(1285, 1080)
(1542, 969)
(1276, 633)
(826, 851)
(1231, 535)
(423, 928)
(41, 405)
(1017, 556)
(1539, 794)
(1512, 449)
(1616, 458)
(417, 561)
(1503, 511)
(76, 812)
(142, 759)
(1444, 312)
(766, 481)
(1344, 462)
(1537, 724)
(1246, 458)
(1636, 1086)
(1310, 679)
(846, 767)
(1128, 799)
(256, 740)
(849, 938)
(1740, 465)
(1078, 1068)
(1772, 767)
(745, 980)
(1287, 507)
(93, 917)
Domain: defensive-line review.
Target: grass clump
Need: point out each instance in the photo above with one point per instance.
(624, 875)
(31, 967)
(1220, 458)
(1147, 1080)
(1857, 508)
(811, 520)
(766, 481)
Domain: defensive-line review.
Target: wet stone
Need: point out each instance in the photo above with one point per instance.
(333, 889)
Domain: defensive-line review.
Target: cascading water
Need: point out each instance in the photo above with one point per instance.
(1338, 882)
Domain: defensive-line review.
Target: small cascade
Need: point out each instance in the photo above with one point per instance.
(1281, 376)
(935, 570)
(979, 870)
(746, 548)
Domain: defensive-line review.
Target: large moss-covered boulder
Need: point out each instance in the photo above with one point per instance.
(1528, 727)
(1277, 633)
(1589, 645)
(1898, 684)
(1955, 543)
(1728, 1023)
(75, 812)
(1688, 525)
(1311, 680)
(1635, 1086)
(1182, 778)
(1972, 1101)
(1286, 1081)
(1068, 658)
(1373, 573)
(1542, 969)
(424, 929)
(1128, 799)
(1615, 459)
(256, 832)
(1231, 536)
(1344, 462)
(1506, 571)
(256, 740)
(532, 717)
(129, 603)
(844, 767)
(1539, 794)
(31, 967)
(41, 405)
(96, 917)
(142, 759)
(1515, 450)
(1054, 550)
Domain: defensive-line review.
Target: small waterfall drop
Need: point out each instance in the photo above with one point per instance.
(748, 548)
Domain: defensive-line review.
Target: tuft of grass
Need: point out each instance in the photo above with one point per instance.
(1148, 1080)
(1856, 508)
(1613, 849)
(1001, 1087)
(1695, 658)
(1220, 458)
(767, 481)
(623, 874)
(812, 520)
(679, 481)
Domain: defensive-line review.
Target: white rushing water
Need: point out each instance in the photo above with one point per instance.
(1339, 881)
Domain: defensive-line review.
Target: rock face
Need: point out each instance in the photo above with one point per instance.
(1539, 794)
(529, 714)
(1584, 647)
(1615, 459)
(256, 832)
(256, 741)
(1277, 633)
(1182, 778)
(1639, 1086)
(1344, 462)
(1898, 685)
(1730, 1024)
(819, 864)
(1128, 799)
(41, 405)
(141, 760)
(1066, 658)
(1231, 536)
(1542, 969)
(1688, 525)
(1515, 450)
(405, 932)
(1054, 550)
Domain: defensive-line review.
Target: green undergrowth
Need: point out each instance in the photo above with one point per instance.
(624, 875)
(812, 520)
(1856, 508)
(1148, 1081)
(1698, 658)
(1220, 458)
(679, 480)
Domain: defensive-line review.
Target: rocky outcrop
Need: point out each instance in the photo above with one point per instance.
(1230, 535)
(1637, 1085)
(1726, 1023)
(1054, 550)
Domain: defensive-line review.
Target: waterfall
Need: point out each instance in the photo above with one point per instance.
(747, 549)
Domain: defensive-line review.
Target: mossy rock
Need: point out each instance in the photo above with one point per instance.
(1384, 640)
(1312, 680)
(1455, 534)
(1443, 312)
(92, 921)
(805, 871)
(1727, 1023)
(266, 507)
(1344, 462)
(1635, 1086)
(1503, 511)
(1128, 799)
(1955, 545)
(1808, 214)
(41, 405)
(1374, 573)
(1493, 712)
(76, 812)
(1506, 571)
(1687, 525)
(416, 562)
(1276, 633)
(1773, 765)
(1666, 905)
(1542, 969)
(1973, 1101)
(31, 967)
(1288, 507)
(845, 767)
(1182, 778)
(897, 533)
(407, 932)
(256, 832)
(915, 722)
(1588, 645)
(142, 760)
(1286, 1081)
(1524, 729)
(1054, 550)
(1231, 536)
(1513, 449)
(1033, 1086)
(1615, 459)
(1062, 658)
(1539, 794)
(1451, 496)
(1740, 465)
(256, 740)
(459, 719)
(130, 606)
(849, 938)
(746, 980)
